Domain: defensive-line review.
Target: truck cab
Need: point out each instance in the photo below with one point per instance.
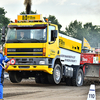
(31, 44)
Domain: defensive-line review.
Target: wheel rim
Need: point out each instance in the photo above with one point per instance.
(57, 74)
(79, 78)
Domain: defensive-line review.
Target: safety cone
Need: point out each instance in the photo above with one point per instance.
(92, 94)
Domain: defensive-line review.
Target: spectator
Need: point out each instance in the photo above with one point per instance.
(2, 68)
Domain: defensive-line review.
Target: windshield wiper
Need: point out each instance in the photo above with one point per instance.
(35, 40)
(15, 41)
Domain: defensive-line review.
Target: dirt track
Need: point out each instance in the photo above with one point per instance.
(29, 90)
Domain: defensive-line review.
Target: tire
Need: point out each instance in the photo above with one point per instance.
(37, 79)
(44, 80)
(15, 77)
(78, 79)
(56, 76)
(41, 78)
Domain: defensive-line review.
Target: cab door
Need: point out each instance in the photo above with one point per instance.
(52, 43)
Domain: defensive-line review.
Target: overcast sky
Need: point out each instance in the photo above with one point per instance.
(64, 10)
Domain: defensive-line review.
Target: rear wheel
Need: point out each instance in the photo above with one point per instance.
(78, 79)
(37, 79)
(41, 78)
(44, 80)
(56, 76)
(15, 77)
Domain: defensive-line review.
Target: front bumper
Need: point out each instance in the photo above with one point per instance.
(43, 68)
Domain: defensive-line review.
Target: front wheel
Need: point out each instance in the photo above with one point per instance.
(15, 77)
(56, 76)
(78, 79)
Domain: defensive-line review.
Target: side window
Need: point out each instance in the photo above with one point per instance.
(51, 28)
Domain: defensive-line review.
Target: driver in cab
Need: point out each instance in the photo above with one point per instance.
(22, 36)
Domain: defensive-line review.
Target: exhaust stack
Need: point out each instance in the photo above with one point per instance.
(28, 4)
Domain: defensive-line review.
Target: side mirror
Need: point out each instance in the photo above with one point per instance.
(3, 34)
(54, 33)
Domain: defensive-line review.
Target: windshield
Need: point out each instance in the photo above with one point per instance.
(29, 35)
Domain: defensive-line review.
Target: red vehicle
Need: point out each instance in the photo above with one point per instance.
(91, 65)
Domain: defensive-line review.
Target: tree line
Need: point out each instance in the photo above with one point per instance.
(75, 29)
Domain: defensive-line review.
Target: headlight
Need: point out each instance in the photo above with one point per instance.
(42, 62)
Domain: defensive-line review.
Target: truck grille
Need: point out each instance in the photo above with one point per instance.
(25, 52)
(28, 60)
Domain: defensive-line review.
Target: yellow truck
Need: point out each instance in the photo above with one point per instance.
(36, 49)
